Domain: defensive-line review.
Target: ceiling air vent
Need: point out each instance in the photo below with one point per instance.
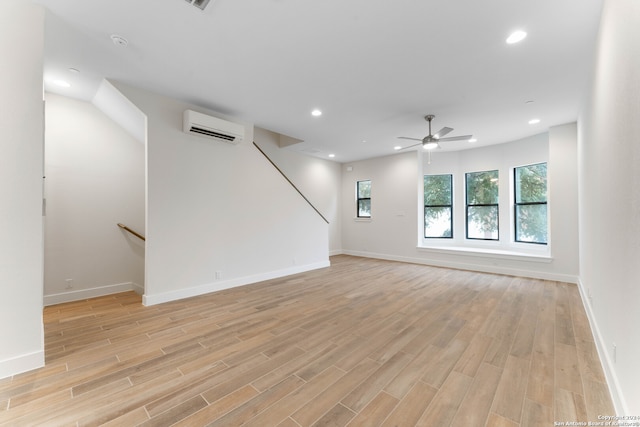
(201, 4)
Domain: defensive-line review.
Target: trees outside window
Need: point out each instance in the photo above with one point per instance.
(363, 191)
(482, 205)
(530, 210)
(438, 206)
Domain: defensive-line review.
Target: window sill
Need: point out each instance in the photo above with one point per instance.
(359, 219)
(489, 253)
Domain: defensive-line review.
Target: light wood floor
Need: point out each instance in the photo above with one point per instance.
(362, 343)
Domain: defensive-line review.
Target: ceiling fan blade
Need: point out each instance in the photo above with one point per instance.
(442, 132)
(413, 139)
(457, 138)
(410, 146)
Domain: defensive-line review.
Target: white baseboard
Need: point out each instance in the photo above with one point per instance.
(484, 268)
(227, 284)
(619, 403)
(92, 293)
(20, 364)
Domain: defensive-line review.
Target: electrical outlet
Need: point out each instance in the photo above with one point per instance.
(218, 275)
(69, 283)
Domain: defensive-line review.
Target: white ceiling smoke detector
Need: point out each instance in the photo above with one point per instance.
(201, 4)
(119, 40)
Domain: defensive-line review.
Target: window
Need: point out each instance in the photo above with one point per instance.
(482, 205)
(438, 206)
(364, 199)
(530, 210)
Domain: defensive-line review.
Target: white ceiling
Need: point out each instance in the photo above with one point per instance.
(375, 68)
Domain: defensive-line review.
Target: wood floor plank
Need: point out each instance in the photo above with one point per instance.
(368, 389)
(259, 403)
(473, 355)
(474, 410)
(569, 406)
(217, 409)
(362, 342)
(326, 400)
(400, 385)
(375, 412)
(443, 364)
(339, 415)
(509, 397)
(177, 413)
(597, 400)
(304, 394)
(536, 415)
(446, 402)
(412, 406)
(567, 370)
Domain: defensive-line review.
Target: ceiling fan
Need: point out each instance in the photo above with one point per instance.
(432, 141)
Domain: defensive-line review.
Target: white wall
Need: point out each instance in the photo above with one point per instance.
(394, 231)
(391, 231)
(21, 171)
(609, 170)
(319, 180)
(94, 180)
(218, 215)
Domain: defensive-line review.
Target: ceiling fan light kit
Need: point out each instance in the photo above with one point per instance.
(432, 141)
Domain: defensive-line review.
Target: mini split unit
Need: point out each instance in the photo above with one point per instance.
(212, 127)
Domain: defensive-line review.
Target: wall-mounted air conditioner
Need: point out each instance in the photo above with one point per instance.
(212, 127)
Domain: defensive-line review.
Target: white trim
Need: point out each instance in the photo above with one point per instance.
(488, 253)
(335, 252)
(20, 364)
(619, 403)
(495, 269)
(92, 293)
(148, 300)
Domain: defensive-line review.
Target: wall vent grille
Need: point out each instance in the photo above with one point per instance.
(200, 4)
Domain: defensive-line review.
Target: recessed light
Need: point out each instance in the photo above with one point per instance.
(473, 140)
(534, 121)
(516, 36)
(397, 147)
(332, 155)
(61, 83)
(316, 113)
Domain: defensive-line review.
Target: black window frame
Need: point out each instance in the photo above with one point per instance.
(468, 205)
(361, 199)
(450, 206)
(516, 204)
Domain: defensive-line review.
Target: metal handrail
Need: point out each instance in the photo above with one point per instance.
(289, 181)
(138, 235)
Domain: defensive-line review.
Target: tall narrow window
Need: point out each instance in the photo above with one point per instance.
(530, 210)
(364, 199)
(438, 206)
(482, 205)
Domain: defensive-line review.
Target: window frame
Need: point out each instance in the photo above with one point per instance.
(467, 206)
(359, 199)
(450, 206)
(516, 204)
